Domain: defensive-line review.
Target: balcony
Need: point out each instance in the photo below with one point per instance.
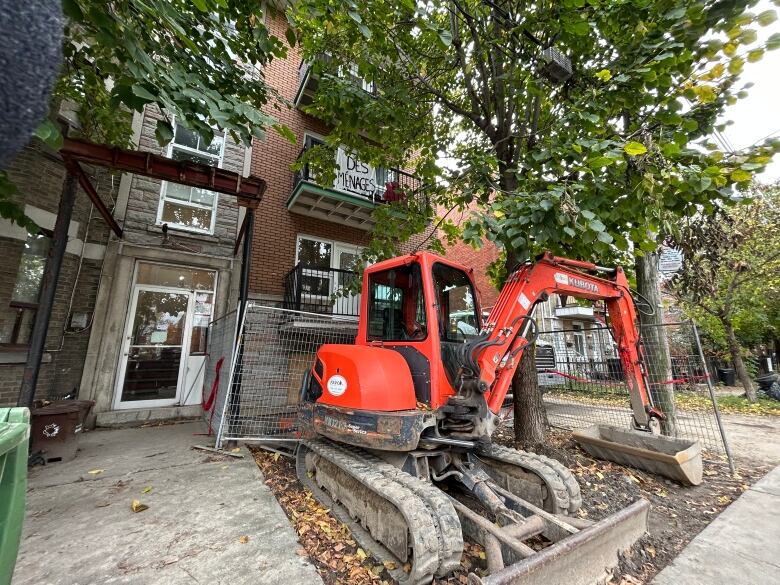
(312, 289)
(309, 80)
(355, 193)
(574, 312)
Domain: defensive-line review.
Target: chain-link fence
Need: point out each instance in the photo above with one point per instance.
(275, 348)
(583, 381)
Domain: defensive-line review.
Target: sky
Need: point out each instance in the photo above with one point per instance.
(758, 115)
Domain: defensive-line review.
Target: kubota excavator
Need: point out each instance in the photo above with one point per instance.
(396, 429)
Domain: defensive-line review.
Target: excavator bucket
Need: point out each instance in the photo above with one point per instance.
(582, 558)
(677, 459)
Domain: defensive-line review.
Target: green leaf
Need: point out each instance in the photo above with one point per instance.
(604, 75)
(49, 133)
(72, 10)
(201, 5)
(144, 93)
(767, 17)
(604, 237)
(773, 42)
(365, 31)
(163, 132)
(597, 226)
(755, 55)
(579, 28)
(739, 176)
(587, 214)
(355, 16)
(289, 34)
(285, 132)
(446, 37)
(634, 148)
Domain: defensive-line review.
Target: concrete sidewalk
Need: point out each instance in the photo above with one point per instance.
(79, 527)
(739, 547)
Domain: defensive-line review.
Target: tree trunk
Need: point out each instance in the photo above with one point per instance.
(530, 417)
(656, 344)
(736, 358)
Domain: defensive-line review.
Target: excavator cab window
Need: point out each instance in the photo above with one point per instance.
(456, 304)
(396, 308)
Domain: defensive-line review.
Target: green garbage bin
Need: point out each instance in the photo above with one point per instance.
(14, 436)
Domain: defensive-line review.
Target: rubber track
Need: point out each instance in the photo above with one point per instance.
(439, 505)
(424, 536)
(560, 482)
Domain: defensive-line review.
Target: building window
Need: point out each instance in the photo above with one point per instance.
(321, 260)
(191, 208)
(27, 289)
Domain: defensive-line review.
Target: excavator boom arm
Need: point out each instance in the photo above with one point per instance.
(498, 354)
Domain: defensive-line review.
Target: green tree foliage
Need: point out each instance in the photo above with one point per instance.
(199, 61)
(730, 278)
(595, 164)
(589, 167)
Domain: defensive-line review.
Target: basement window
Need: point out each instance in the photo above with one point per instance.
(191, 208)
(17, 322)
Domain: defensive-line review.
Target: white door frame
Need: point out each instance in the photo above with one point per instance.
(337, 250)
(126, 342)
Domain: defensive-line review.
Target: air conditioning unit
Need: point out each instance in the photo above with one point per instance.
(557, 66)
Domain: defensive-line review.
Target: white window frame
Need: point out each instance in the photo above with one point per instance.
(333, 244)
(164, 188)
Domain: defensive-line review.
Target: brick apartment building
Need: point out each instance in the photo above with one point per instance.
(130, 315)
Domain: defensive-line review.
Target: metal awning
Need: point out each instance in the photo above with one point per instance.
(248, 190)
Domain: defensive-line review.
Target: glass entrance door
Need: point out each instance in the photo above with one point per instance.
(156, 347)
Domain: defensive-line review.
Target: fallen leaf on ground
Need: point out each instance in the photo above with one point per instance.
(243, 539)
(137, 506)
(235, 450)
(146, 490)
(95, 471)
(102, 504)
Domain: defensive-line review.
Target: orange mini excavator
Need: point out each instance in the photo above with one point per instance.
(396, 429)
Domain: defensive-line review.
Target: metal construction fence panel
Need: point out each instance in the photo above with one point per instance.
(583, 381)
(275, 348)
(220, 349)
(255, 369)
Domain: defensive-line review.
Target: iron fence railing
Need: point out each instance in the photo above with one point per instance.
(321, 290)
(390, 184)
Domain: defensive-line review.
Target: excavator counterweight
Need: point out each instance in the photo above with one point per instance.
(396, 429)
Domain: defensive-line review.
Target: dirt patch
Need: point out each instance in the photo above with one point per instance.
(677, 513)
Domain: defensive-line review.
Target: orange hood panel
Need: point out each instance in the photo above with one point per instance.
(365, 378)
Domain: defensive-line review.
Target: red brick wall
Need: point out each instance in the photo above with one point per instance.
(479, 261)
(273, 245)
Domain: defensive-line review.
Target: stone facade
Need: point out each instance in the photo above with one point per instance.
(140, 215)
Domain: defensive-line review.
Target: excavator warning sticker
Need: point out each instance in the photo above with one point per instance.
(337, 385)
(523, 300)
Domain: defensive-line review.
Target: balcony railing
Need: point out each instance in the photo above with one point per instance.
(314, 290)
(379, 185)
